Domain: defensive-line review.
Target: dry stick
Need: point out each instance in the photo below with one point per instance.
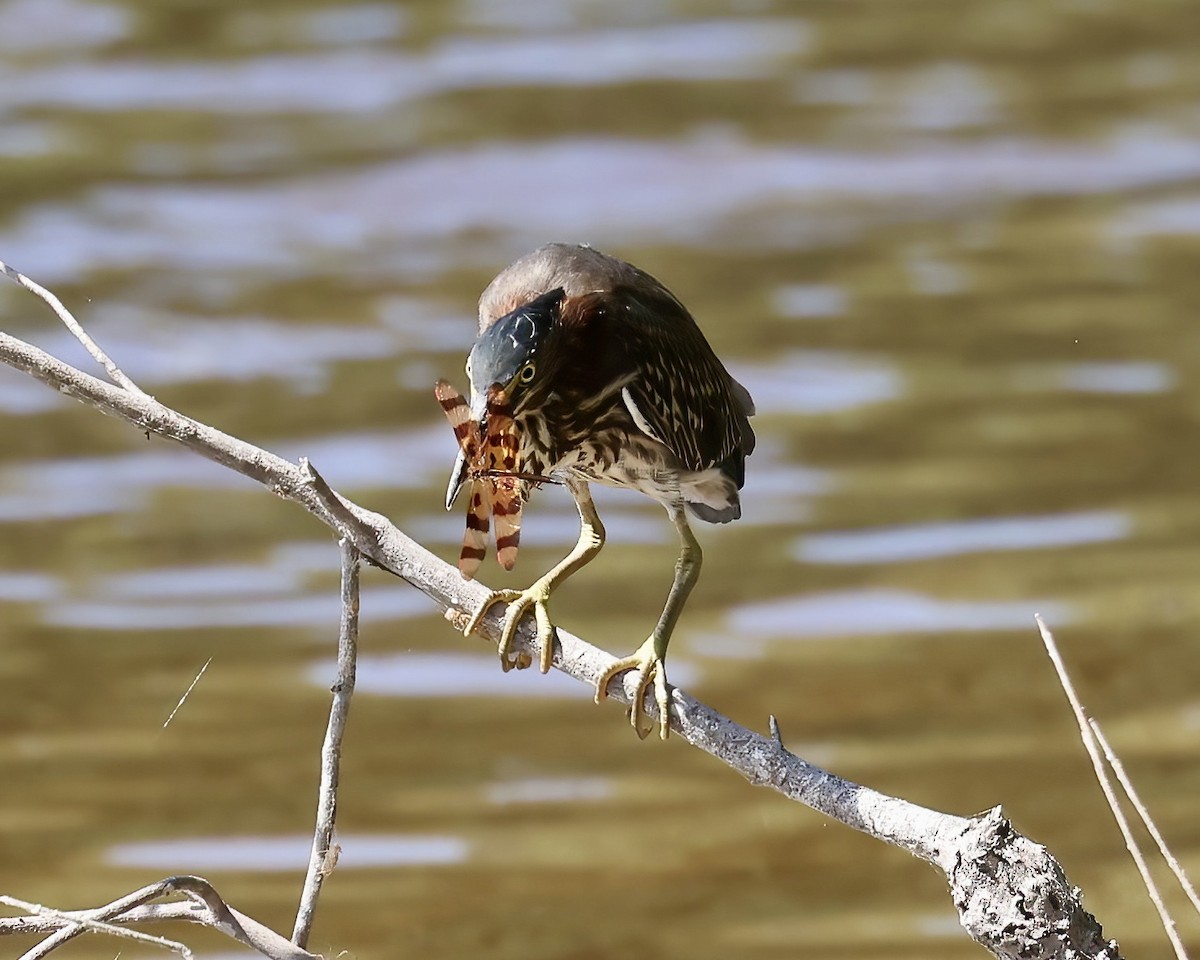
(1127, 785)
(1093, 751)
(74, 922)
(324, 857)
(187, 693)
(77, 925)
(245, 930)
(204, 906)
(1011, 895)
(73, 325)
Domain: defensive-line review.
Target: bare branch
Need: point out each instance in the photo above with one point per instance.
(1011, 895)
(203, 905)
(324, 853)
(73, 926)
(1118, 768)
(1093, 751)
(73, 325)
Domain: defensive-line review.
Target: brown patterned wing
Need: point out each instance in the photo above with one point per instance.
(479, 501)
(493, 492)
(474, 546)
(683, 395)
(508, 492)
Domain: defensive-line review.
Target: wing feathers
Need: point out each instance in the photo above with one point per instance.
(682, 395)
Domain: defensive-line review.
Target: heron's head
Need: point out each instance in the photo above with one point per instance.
(508, 355)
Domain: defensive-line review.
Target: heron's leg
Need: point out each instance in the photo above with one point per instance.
(591, 539)
(648, 659)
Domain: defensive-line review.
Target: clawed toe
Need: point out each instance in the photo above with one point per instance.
(519, 603)
(650, 670)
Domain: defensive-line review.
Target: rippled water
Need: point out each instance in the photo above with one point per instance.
(948, 248)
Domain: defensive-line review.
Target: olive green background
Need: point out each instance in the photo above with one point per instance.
(949, 245)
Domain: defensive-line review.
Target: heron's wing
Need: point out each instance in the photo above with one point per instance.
(682, 395)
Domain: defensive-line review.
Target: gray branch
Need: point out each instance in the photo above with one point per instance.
(324, 853)
(1011, 895)
(201, 904)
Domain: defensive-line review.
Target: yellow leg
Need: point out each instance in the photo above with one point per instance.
(649, 659)
(591, 539)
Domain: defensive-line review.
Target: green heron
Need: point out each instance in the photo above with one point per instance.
(608, 379)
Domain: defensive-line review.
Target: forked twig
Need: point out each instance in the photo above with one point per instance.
(324, 853)
(72, 324)
(74, 925)
(202, 905)
(1093, 750)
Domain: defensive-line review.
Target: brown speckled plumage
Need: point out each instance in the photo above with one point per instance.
(606, 378)
(628, 393)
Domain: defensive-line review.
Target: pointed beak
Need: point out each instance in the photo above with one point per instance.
(458, 476)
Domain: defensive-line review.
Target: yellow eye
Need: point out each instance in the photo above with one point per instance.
(526, 373)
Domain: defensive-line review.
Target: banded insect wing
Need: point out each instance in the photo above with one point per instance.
(474, 545)
(479, 493)
(492, 491)
(508, 492)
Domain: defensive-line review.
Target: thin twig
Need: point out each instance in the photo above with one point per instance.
(1132, 794)
(73, 325)
(187, 693)
(203, 906)
(324, 856)
(77, 925)
(1093, 750)
(55, 920)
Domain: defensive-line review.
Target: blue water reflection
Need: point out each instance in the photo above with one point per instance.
(641, 192)
(290, 853)
(28, 26)
(1118, 377)
(810, 300)
(454, 674)
(817, 382)
(21, 587)
(881, 612)
(92, 485)
(369, 79)
(379, 605)
(921, 541)
(539, 790)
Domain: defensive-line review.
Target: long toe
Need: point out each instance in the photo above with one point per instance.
(662, 697)
(520, 602)
(493, 598)
(650, 671)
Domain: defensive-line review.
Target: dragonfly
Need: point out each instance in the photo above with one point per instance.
(497, 490)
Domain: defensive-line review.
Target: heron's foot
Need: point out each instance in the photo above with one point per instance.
(519, 603)
(647, 660)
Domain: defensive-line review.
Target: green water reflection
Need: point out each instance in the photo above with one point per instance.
(949, 247)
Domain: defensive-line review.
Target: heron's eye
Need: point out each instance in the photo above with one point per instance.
(527, 372)
(468, 368)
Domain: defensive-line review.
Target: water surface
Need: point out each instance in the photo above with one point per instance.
(950, 249)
